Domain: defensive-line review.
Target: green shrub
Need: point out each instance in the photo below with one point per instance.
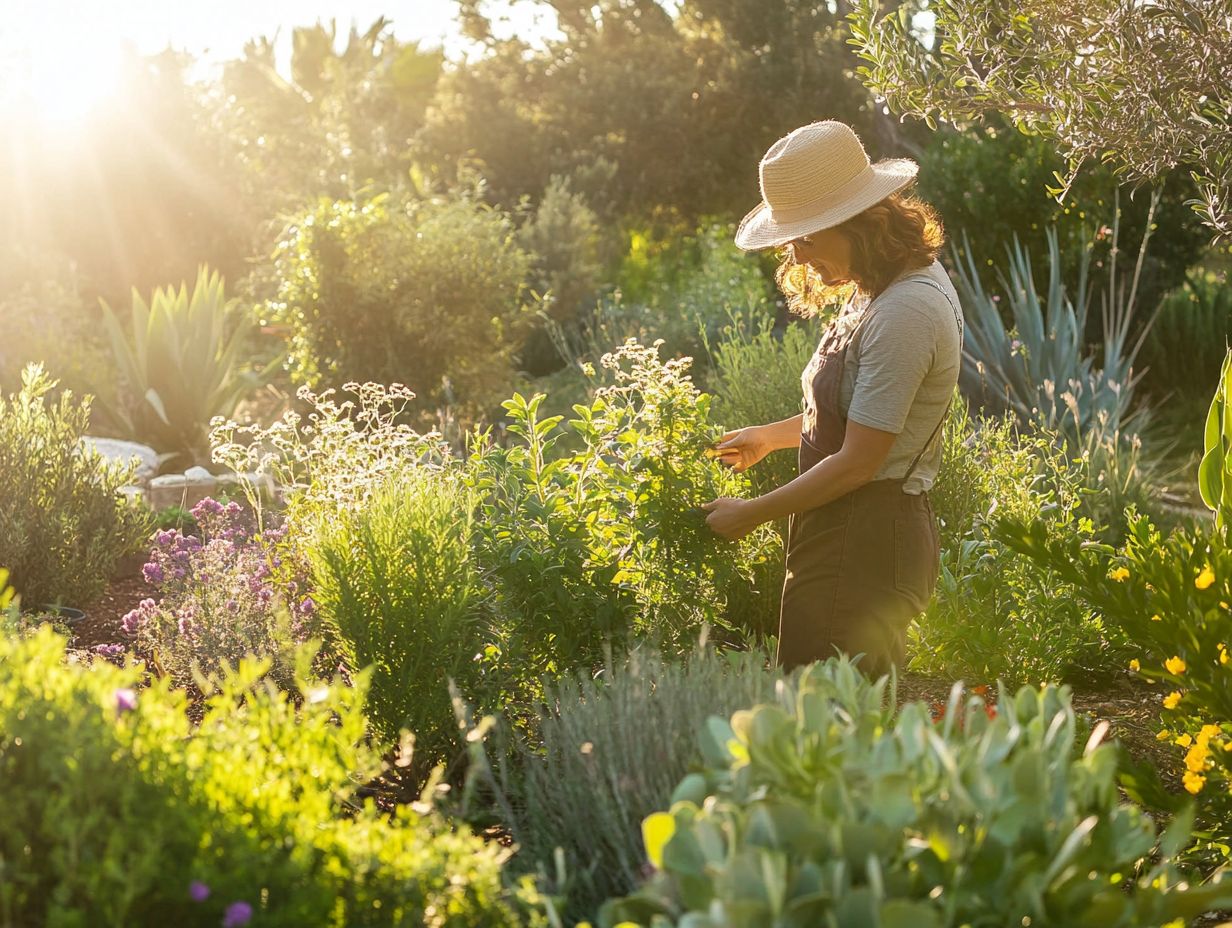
(993, 615)
(398, 590)
(45, 321)
(682, 290)
(611, 504)
(604, 752)
(757, 380)
(992, 178)
(415, 293)
(820, 808)
(566, 243)
(63, 523)
(1187, 344)
(180, 365)
(1169, 596)
(120, 811)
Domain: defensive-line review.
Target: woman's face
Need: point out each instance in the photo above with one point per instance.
(828, 252)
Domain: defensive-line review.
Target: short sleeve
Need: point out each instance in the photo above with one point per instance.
(897, 346)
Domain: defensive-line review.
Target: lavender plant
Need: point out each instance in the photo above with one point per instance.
(228, 594)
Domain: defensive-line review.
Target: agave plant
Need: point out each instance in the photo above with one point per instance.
(181, 365)
(1039, 367)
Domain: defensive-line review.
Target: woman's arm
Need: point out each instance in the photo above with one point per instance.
(855, 464)
(785, 433)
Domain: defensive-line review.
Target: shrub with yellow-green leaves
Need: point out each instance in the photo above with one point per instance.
(119, 811)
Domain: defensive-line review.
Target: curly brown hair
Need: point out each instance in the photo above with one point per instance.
(898, 234)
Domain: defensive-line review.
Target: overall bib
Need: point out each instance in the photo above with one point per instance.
(859, 568)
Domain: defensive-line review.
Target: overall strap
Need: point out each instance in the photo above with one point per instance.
(937, 431)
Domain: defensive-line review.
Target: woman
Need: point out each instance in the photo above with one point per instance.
(862, 547)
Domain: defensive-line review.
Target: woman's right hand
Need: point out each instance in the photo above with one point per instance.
(740, 449)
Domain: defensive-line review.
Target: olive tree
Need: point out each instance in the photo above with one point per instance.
(1142, 85)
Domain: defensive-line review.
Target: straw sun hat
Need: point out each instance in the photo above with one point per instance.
(815, 178)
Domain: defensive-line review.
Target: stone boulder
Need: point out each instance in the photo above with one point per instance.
(123, 452)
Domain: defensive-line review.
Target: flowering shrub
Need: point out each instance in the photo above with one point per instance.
(823, 808)
(592, 531)
(120, 811)
(1170, 596)
(223, 596)
(332, 457)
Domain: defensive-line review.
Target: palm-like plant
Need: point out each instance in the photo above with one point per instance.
(181, 365)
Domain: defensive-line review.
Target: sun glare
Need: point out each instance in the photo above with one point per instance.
(59, 79)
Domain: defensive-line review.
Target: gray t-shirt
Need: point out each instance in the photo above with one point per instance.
(901, 369)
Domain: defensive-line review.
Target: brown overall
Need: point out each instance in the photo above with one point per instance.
(860, 567)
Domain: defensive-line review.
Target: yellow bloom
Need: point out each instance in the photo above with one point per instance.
(1209, 731)
(1183, 740)
(1223, 654)
(1156, 618)
(1195, 759)
(1134, 665)
(1119, 574)
(1175, 665)
(1193, 782)
(1171, 700)
(1163, 735)
(1206, 578)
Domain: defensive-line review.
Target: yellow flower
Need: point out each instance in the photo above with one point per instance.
(1206, 578)
(1193, 782)
(1119, 574)
(1156, 618)
(1208, 732)
(1195, 759)
(1163, 735)
(1183, 740)
(1134, 665)
(1175, 665)
(1223, 654)
(1171, 700)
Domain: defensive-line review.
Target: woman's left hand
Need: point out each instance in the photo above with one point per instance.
(731, 517)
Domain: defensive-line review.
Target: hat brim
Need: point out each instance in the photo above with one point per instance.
(759, 230)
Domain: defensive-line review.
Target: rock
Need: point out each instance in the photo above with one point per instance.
(198, 473)
(122, 452)
(180, 490)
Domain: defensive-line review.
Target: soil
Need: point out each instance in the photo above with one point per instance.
(102, 622)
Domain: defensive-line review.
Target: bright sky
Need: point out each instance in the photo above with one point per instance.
(62, 53)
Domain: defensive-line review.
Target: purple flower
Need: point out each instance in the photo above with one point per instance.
(110, 651)
(198, 891)
(237, 914)
(153, 572)
(186, 625)
(307, 607)
(134, 619)
(125, 700)
(206, 508)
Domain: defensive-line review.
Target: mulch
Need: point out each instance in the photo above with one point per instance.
(1129, 706)
(101, 624)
